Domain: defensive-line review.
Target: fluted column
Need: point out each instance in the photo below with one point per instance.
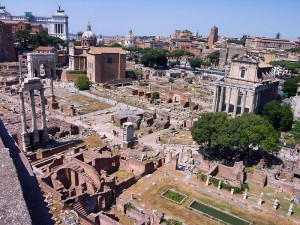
(253, 102)
(255, 110)
(236, 103)
(228, 100)
(215, 99)
(25, 136)
(44, 123)
(221, 99)
(35, 133)
(243, 102)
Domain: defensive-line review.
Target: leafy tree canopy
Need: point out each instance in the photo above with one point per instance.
(195, 63)
(290, 86)
(154, 57)
(155, 95)
(280, 116)
(223, 134)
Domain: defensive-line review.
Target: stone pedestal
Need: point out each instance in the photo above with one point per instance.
(290, 212)
(276, 204)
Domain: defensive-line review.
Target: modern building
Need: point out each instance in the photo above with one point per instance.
(106, 64)
(57, 24)
(213, 36)
(260, 43)
(7, 48)
(246, 88)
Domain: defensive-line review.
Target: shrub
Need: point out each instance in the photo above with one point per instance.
(214, 181)
(249, 170)
(83, 82)
(171, 80)
(202, 177)
(172, 222)
(155, 95)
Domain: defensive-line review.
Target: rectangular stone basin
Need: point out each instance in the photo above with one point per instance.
(217, 214)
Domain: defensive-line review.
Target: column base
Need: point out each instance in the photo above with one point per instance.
(26, 142)
(46, 139)
(36, 140)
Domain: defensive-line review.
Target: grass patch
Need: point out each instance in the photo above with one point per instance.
(174, 196)
(172, 222)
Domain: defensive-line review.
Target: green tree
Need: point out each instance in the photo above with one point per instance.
(155, 95)
(287, 117)
(177, 54)
(205, 63)
(278, 35)
(116, 45)
(23, 38)
(82, 82)
(280, 116)
(224, 135)
(195, 63)
(100, 45)
(290, 86)
(204, 131)
(154, 57)
(77, 43)
(270, 145)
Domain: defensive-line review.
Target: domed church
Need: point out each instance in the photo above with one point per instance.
(88, 37)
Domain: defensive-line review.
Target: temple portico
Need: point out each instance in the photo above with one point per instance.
(243, 89)
(33, 141)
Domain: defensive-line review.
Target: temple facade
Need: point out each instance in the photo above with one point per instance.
(245, 88)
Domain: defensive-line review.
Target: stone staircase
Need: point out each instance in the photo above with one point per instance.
(79, 209)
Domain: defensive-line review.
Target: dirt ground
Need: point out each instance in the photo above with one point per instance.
(147, 196)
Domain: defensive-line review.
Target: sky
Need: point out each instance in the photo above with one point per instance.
(162, 17)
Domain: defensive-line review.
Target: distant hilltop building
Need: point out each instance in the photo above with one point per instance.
(129, 40)
(213, 36)
(57, 25)
(247, 87)
(260, 43)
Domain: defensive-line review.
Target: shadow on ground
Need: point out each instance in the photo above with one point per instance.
(32, 194)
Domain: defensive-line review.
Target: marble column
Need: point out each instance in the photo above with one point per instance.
(252, 105)
(25, 136)
(228, 100)
(221, 99)
(35, 131)
(215, 99)
(243, 102)
(255, 110)
(236, 103)
(44, 123)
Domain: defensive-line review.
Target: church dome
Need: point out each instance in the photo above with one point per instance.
(88, 33)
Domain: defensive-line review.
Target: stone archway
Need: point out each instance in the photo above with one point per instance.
(42, 65)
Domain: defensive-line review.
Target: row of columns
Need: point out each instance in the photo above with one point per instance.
(35, 133)
(219, 96)
(59, 28)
